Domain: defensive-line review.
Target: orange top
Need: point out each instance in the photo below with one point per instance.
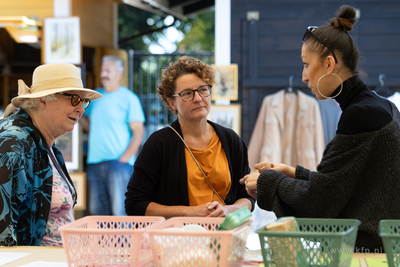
(214, 163)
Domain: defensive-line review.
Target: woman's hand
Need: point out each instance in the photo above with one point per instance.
(209, 209)
(250, 180)
(217, 210)
(285, 169)
(263, 166)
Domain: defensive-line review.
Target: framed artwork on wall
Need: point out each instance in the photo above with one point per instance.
(61, 40)
(226, 83)
(229, 116)
(69, 146)
(79, 180)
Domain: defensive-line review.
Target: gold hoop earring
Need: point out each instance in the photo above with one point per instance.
(341, 86)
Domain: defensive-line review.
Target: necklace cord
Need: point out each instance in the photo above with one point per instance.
(198, 165)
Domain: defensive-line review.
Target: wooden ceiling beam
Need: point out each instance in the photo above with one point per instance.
(181, 3)
(197, 7)
(157, 7)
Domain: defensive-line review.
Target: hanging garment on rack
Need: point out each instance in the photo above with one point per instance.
(330, 114)
(288, 130)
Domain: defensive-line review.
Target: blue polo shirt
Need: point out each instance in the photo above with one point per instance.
(109, 134)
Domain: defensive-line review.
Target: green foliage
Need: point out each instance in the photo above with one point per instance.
(132, 21)
(199, 33)
(198, 30)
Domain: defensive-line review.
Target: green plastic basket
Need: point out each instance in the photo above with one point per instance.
(389, 230)
(320, 242)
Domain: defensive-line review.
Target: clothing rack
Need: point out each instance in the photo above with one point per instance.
(383, 90)
(290, 89)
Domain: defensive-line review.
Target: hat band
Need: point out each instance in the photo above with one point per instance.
(56, 83)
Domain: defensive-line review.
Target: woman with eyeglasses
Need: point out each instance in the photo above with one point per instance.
(36, 193)
(193, 167)
(359, 174)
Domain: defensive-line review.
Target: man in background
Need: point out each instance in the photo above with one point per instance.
(115, 126)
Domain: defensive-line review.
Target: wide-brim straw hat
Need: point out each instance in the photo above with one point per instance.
(50, 79)
(53, 78)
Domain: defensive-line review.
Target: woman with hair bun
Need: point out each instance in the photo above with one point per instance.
(359, 174)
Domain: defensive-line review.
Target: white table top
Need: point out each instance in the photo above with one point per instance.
(50, 254)
(57, 254)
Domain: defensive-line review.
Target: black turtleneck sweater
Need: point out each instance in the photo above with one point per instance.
(363, 110)
(358, 176)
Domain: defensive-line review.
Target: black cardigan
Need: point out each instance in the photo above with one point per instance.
(160, 173)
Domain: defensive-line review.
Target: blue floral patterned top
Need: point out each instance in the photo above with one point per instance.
(26, 180)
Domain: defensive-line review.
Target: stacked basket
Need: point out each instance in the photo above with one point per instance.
(209, 248)
(122, 241)
(118, 241)
(390, 233)
(319, 242)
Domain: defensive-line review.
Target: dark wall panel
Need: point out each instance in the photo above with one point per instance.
(268, 50)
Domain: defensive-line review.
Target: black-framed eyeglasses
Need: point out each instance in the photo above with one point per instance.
(188, 95)
(309, 31)
(76, 99)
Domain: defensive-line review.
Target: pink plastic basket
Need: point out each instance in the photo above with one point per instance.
(193, 248)
(108, 241)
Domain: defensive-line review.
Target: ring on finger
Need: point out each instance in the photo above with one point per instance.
(262, 168)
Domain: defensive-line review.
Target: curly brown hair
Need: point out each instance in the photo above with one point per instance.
(185, 65)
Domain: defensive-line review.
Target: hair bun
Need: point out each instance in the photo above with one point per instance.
(346, 18)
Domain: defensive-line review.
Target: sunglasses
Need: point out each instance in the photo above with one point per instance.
(76, 99)
(309, 31)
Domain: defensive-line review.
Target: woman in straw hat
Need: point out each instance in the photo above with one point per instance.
(37, 194)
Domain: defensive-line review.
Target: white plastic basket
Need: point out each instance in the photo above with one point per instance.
(114, 241)
(192, 248)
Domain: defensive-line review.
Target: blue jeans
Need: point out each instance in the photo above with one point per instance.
(107, 183)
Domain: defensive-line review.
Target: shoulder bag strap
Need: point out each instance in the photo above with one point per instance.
(201, 169)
